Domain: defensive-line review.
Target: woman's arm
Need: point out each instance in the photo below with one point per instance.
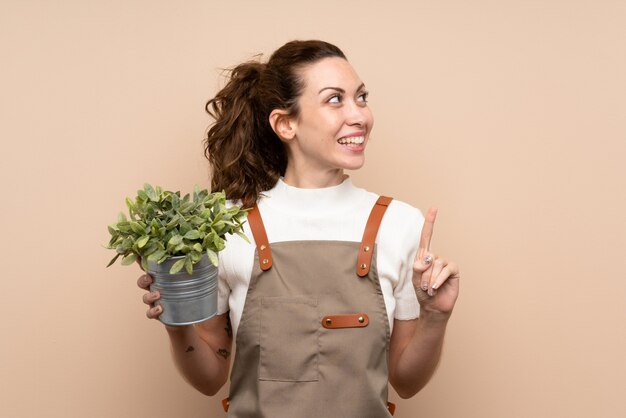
(415, 346)
(201, 351)
(414, 352)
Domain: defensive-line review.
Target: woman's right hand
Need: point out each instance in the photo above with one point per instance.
(149, 298)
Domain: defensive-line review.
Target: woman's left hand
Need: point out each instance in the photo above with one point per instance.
(436, 280)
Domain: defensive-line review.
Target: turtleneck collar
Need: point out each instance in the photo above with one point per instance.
(310, 202)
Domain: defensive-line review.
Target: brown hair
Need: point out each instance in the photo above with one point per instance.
(245, 154)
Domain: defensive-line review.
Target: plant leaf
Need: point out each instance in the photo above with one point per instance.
(195, 256)
(154, 227)
(130, 205)
(142, 195)
(212, 257)
(178, 266)
(151, 247)
(150, 192)
(124, 226)
(113, 260)
(175, 240)
(243, 236)
(216, 238)
(173, 222)
(129, 259)
(186, 207)
(137, 229)
(184, 227)
(156, 255)
(127, 244)
(142, 241)
(188, 264)
(193, 234)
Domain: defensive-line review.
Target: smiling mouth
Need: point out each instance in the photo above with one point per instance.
(352, 141)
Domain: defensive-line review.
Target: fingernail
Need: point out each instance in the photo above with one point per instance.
(157, 309)
(428, 259)
(435, 286)
(430, 292)
(424, 287)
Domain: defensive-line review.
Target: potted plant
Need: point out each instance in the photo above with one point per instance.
(176, 241)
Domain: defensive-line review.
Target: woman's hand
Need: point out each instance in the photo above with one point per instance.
(149, 298)
(435, 279)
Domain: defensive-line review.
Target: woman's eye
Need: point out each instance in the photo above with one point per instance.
(332, 99)
(364, 96)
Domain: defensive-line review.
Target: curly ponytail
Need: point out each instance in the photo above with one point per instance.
(245, 154)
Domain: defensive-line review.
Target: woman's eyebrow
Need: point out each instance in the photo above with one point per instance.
(339, 89)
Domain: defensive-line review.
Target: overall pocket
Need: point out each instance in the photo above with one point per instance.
(289, 334)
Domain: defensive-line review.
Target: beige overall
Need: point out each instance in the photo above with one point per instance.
(313, 339)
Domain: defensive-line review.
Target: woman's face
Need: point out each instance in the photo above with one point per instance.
(332, 129)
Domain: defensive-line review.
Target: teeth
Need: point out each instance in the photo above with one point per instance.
(352, 140)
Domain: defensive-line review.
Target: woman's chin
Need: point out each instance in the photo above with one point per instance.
(354, 163)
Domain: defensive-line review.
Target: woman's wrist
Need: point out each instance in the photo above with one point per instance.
(434, 318)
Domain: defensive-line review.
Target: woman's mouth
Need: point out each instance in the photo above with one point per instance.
(354, 143)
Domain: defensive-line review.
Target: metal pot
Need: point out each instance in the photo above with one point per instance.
(185, 298)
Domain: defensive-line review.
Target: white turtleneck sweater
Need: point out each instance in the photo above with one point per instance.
(331, 213)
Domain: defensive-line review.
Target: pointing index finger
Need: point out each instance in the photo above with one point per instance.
(427, 229)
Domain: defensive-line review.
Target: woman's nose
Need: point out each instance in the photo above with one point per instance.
(355, 113)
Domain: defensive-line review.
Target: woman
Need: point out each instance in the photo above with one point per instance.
(324, 301)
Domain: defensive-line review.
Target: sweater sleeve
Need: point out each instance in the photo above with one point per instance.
(223, 288)
(225, 270)
(407, 306)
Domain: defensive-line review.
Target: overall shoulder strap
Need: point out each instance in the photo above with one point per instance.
(369, 236)
(260, 238)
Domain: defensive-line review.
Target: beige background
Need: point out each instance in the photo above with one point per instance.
(508, 116)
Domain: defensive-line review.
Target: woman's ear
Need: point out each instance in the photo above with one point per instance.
(282, 124)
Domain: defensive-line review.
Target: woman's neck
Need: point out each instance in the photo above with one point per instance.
(316, 180)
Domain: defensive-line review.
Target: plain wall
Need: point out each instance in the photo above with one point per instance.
(510, 117)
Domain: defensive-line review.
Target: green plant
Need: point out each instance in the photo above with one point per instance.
(162, 225)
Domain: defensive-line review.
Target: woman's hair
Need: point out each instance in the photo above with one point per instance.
(245, 154)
